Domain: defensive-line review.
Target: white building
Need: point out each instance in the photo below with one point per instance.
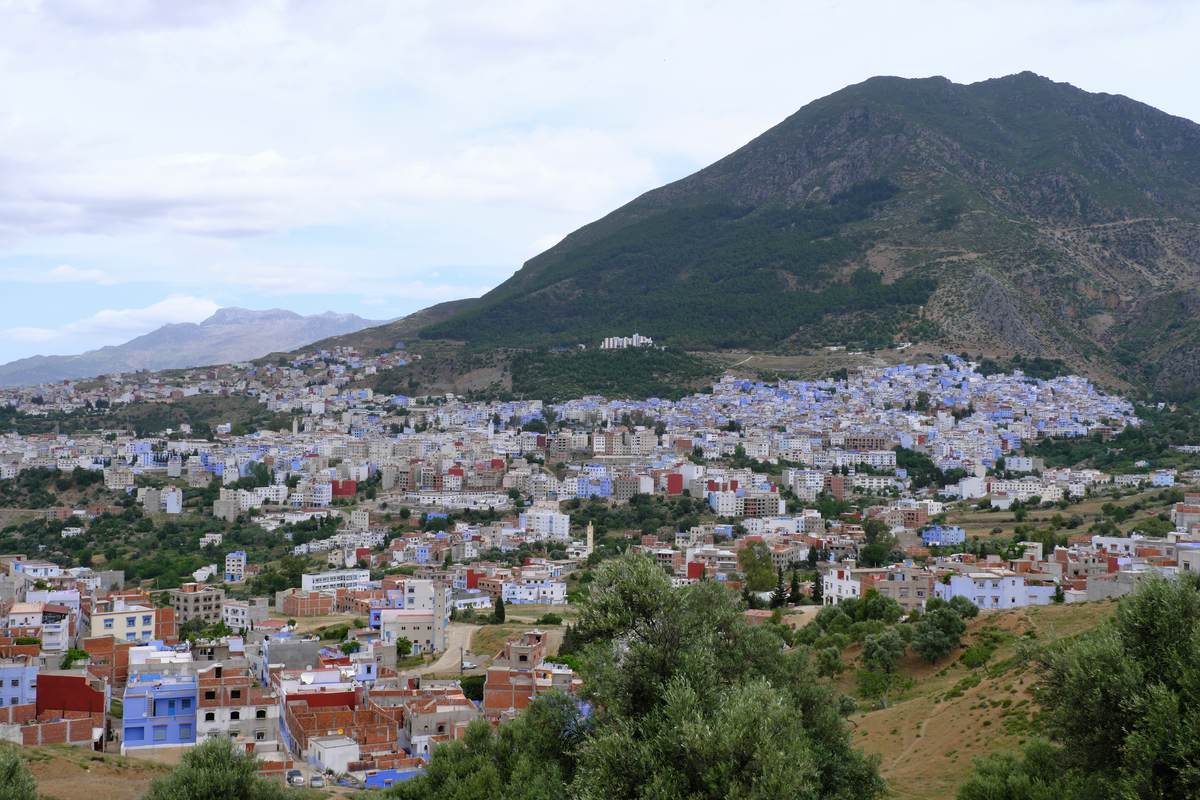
(995, 589)
(331, 581)
(528, 590)
(547, 524)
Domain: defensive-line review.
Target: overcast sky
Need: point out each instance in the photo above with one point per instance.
(161, 160)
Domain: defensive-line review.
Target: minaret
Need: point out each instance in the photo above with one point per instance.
(591, 534)
(295, 425)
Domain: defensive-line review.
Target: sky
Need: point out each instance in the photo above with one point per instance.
(160, 160)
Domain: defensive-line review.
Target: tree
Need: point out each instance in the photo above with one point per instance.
(881, 655)
(216, 769)
(874, 606)
(689, 701)
(1117, 708)
(829, 662)
(818, 591)
(879, 543)
(794, 596)
(498, 610)
(755, 563)
(16, 782)
(963, 607)
(938, 633)
(779, 597)
(404, 647)
(812, 557)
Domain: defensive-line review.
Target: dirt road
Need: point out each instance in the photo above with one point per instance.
(459, 636)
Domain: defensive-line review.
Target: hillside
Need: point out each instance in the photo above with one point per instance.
(1014, 215)
(927, 738)
(231, 334)
(380, 338)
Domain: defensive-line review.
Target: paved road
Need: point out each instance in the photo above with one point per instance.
(459, 636)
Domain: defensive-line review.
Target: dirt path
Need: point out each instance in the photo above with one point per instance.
(459, 636)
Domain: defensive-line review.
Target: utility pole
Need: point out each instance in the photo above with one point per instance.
(460, 661)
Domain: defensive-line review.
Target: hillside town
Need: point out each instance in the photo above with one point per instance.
(412, 518)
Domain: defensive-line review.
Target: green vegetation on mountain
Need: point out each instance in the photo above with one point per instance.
(1153, 442)
(713, 275)
(203, 412)
(634, 373)
(39, 487)
(1014, 215)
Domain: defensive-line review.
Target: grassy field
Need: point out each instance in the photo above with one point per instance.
(490, 639)
(530, 613)
(983, 523)
(952, 714)
(76, 773)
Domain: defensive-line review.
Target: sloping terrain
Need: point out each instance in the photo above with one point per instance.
(1012, 215)
(229, 335)
(952, 714)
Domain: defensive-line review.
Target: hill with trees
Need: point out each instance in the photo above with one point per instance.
(1014, 215)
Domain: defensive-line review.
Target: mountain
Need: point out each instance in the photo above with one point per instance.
(386, 336)
(1011, 216)
(230, 334)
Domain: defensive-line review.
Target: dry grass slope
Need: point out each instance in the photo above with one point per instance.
(952, 714)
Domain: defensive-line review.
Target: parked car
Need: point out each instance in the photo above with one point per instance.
(295, 777)
(469, 665)
(316, 782)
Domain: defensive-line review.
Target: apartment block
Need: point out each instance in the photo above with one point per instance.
(197, 601)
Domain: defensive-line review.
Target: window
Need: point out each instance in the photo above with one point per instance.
(131, 637)
(130, 622)
(185, 703)
(210, 716)
(235, 715)
(185, 731)
(209, 694)
(260, 714)
(147, 619)
(235, 694)
(260, 735)
(160, 733)
(14, 682)
(135, 734)
(108, 623)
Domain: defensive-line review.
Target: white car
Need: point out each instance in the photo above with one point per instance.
(295, 777)
(469, 665)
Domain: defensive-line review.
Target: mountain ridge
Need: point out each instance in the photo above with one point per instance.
(228, 335)
(1013, 215)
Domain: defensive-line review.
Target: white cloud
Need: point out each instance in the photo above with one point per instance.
(116, 325)
(196, 145)
(63, 273)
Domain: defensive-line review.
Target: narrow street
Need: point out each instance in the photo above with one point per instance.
(459, 636)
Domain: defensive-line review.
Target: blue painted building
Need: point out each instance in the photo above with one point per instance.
(18, 682)
(159, 711)
(943, 536)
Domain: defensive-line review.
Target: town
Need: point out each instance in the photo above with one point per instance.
(338, 572)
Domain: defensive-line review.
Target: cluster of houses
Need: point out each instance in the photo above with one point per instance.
(74, 639)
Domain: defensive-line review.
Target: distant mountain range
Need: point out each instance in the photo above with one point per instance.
(1014, 215)
(231, 334)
